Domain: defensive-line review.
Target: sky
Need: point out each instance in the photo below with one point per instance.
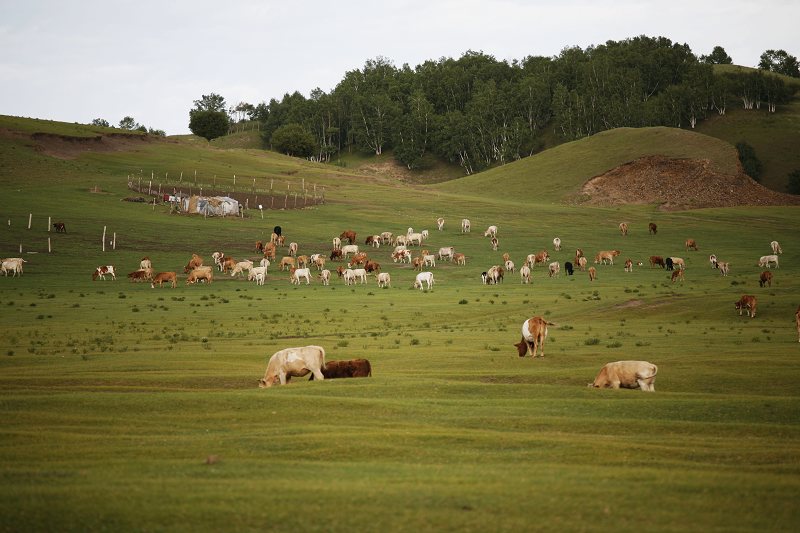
(77, 60)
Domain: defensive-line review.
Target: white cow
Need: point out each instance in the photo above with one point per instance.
(429, 260)
(386, 237)
(446, 252)
(440, 223)
(465, 225)
(337, 243)
(424, 277)
(259, 274)
(525, 274)
(299, 273)
(360, 274)
(491, 231)
(776, 248)
(415, 237)
(293, 362)
(241, 266)
(325, 276)
(628, 375)
(14, 264)
(557, 244)
(384, 279)
(767, 260)
(555, 269)
(348, 249)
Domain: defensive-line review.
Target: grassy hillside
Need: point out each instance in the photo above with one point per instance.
(130, 408)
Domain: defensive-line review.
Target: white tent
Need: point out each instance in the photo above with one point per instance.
(211, 206)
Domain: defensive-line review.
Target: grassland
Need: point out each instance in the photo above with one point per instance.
(127, 408)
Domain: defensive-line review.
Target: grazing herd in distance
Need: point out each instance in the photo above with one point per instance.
(297, 362)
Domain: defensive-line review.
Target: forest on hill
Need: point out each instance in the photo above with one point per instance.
(477, 111)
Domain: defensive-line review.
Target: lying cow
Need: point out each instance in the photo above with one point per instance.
(293, 362)
(627, 375)
(353, 368)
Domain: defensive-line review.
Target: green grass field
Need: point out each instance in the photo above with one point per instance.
(128, 408)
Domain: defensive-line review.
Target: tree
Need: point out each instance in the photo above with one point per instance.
(794, 182)
(718, 56)
(208, 124)
(293, 140)
(781, 62)
(210, 102)
(160, 133)
(128, 123)
(100, 122)
(751, 164)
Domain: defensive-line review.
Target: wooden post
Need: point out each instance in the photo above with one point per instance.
(20, 248)
(195, 177)
(159, 190)
(114, 241)
(49, 225)
(271, 182)
(181, 178)
(154, 204)
(49, 248)
(104, 238)
(285, 200)
(150, 188)
(30, 219)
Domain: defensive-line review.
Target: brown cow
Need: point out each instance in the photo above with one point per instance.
(691, 244)
(269, 250)
(144, 274)
(592, 273)
(747, 303)
(657, 260)
(259, 247)
(652, 228)
(677, 275)
(350, 235)
(60, 227)
(628, 375)
(287, 262)
(194, 262)
(623, 228)
(161, 277)
(372, 266)
(200, 274)
(228, 263)
(765, 279)
(336, 255)
(353, 368)
(797, 319)
(534, 333)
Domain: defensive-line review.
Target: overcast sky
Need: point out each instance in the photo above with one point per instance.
(76, 60)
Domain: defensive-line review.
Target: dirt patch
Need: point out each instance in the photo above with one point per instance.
(676, 184)
(69, 147)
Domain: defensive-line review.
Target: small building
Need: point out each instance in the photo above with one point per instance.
(211, 206)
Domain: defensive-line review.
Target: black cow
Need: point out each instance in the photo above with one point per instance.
(670, 266)
(568, 268)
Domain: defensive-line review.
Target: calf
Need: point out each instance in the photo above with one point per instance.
(144, 274)
(161, 277)
(747, 303)
(258, 274)
(460, 259)
(765, 279)
(627, 375)
(677, 275)
(354, 368)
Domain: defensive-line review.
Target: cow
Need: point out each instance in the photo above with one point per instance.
(669, 264)
(446, 252)
(161, 277)
(359, 258)
(628, 265)
(386, 237)
(677, 275)
(534, 333)
(353, 368)
(293, 249)
(767, 260)
(337, 243)
(776, 248)
(724, 267)
(555, 269)
(193, 263)
(372, 266)
(604, 256)
(348, 249)
(747, 303)
(652, 228)
(440, 223)
(287, 263)
(582, 263)
(415, 238)
(657, 260)
(491, 231)
(592, 273)
(533, 259)
(14, 264)
(627, 375)
(200, 274)
(257, 274)
(424, 277)
(145, 274)
(460, 259)
(384, 279)
(270, 251)
(623, 228)
(525, 274)
(219, 259)
(302, 261)
(296, 273)
(797, 320)
(404, 256)
(557, 244)
(495, 274)
(229, 263)
(293, 362)
(691, 245)
(765, 279)
(60, 227)
(336, 255)
(510, 266)
(99, 272)
(568, 268)
(494, 243)
(259, 247)
(678, 262)
(145, 263)
(713, 260)
(465, 225)
(350, 235)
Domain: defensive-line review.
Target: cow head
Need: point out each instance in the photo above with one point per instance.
(522, 347)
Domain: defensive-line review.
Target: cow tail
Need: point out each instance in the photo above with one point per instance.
(655, 370)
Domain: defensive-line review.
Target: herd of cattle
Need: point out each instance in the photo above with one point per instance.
(296, 362)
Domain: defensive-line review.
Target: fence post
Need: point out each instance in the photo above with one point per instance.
(49, 220)
(30, 219)
(104, 238)
(49, 248)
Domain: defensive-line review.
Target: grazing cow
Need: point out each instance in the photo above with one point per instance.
(403, 256)
(337, 243)
(161, 277)
(293, 249)
(555, 269)
(412, 238)
(258, 274)
(358, 259)
(776, 248)
(141, 275)
(359, 274)
(657, 260)
(465, 225)
(485, 278)
(293, 362)
(724, 267)
(747, 303)
(677, 275)
(14, 264)
(534, 333)
(669, 264)
(99, 272)
(194, 262)
(318, 260)
(713, 260)
(578, 254)
(582, 263)
(628, 265)
(604, 256)
(60, 227)
(229, 263)
(765, 279)
(652, 228)
(145, 263)
(348, 249)
(495, 274)
(533, 259)
(678, 262)
(372, 266)
(446, 252)
(509, 264)
(424, 277)
(623, 228)
(494, 243)
(440, 223)
(460, 259)
(296, 273)
(200, 274)
(347, 275)
(525, 274)
(386, 237)
(384, 279)
(797, 320)
(627, 375)
(691, 245)
(491, 231)
(218, 258)
(350, 235)
(400, 240)
(336, 255)
(592, 273)
(302, 261)
(568, 268)
(259, 247)
(354, 368)
(767, 260)
(417, 263)
(325, 276)
(287, 263)
(557, 244)
(270, 251)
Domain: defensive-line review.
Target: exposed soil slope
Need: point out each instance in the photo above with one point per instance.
(678, 184)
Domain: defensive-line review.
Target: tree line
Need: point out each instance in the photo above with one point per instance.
(478, 111)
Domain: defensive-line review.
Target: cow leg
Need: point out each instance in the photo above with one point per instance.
(317, 374)
(644, 384)
(282, 377)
